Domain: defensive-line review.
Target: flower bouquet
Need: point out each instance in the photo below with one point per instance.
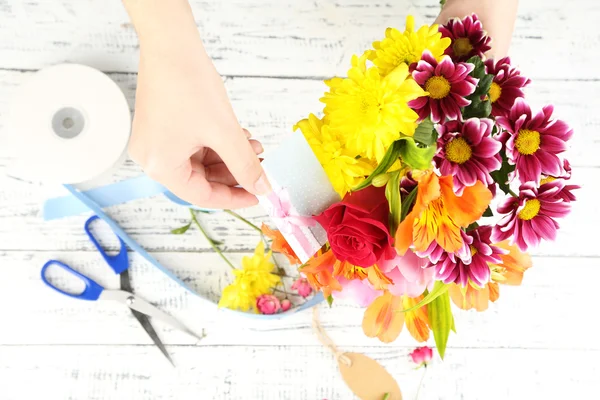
(445, 177)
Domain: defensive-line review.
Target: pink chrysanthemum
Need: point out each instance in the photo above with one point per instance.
(534, 141)
(435, 252)
(531, 216)
(565, 192)
(506, 87)
(453, 269)
(447, 84)
(468, 38)
(468, 152)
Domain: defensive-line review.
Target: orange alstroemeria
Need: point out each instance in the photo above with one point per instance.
(510, 272)
(472, 297)
(348, 271)
(377, 278)
(514, 264)
(280, 245)
(383, 318)
(439, 214)
(319, 273)
(417, 320)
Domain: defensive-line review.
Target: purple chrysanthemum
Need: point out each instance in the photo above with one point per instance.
(506, 87)
(531, 216)
(534, 141)
(468, 38)
(468, 152)
(451, 269)
(448, 85)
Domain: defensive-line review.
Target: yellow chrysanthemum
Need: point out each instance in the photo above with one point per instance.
(342, 167)
(371, 110)
(407, 47)
(254, 279)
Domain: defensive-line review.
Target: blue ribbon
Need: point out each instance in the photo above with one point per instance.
(109, 197)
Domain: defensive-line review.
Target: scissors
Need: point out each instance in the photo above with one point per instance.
(93, 291)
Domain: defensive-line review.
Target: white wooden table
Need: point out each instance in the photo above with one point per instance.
(538, 341)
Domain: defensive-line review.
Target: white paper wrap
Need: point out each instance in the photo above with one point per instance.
(294, 168)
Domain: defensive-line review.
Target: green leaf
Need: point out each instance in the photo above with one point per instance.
(386, 396)
(501, 176)
(408, 202)
(392, 193)
(479, 66)
(425, 133)
(439, 288)
(181, 230)
(388, 160)
(478, 109)
(441, 321)
(474, 225)
(481, 106)
(488, 212)
(330, 300)
(414, 156)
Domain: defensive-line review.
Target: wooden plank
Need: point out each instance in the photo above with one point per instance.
(540, 314)
(285, 38)
(149, 222)
(282, 103)
(269, 108)
(285, 372)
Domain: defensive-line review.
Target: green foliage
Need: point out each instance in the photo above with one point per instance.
(390, 157)
(392, 193)
(501, 176)
(481, 106)
(441, 321)
(181, 230)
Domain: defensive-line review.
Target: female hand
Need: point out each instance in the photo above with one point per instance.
(185, 134)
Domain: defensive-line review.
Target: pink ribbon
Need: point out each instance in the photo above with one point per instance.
(289, 221)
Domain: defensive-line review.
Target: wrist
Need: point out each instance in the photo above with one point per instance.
(163, 24)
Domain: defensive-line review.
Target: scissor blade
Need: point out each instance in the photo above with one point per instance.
(145, 322)
(136, 303)
(143, 318)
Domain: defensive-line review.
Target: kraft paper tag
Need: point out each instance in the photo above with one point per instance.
(368, 379)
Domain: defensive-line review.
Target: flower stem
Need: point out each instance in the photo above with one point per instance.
(210, 241)
(421, 383)
(244, 220)
(286, 293)
(512, 193)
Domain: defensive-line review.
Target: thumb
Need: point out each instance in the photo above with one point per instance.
(243, 163)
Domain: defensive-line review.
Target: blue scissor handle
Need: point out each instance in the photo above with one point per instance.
(92, 289)
(119, 262)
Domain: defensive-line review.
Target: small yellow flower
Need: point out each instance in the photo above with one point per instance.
(370, 110)
(254, 279)
(407, 47)
(342, 167)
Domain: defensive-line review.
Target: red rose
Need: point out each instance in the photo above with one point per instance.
(357, 227)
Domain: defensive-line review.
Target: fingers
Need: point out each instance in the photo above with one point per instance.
(194, 187)
(241, 160)
(208, 156)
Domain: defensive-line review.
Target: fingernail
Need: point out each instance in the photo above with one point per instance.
(262, 185)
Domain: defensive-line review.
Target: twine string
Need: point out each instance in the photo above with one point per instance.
(326, 340)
